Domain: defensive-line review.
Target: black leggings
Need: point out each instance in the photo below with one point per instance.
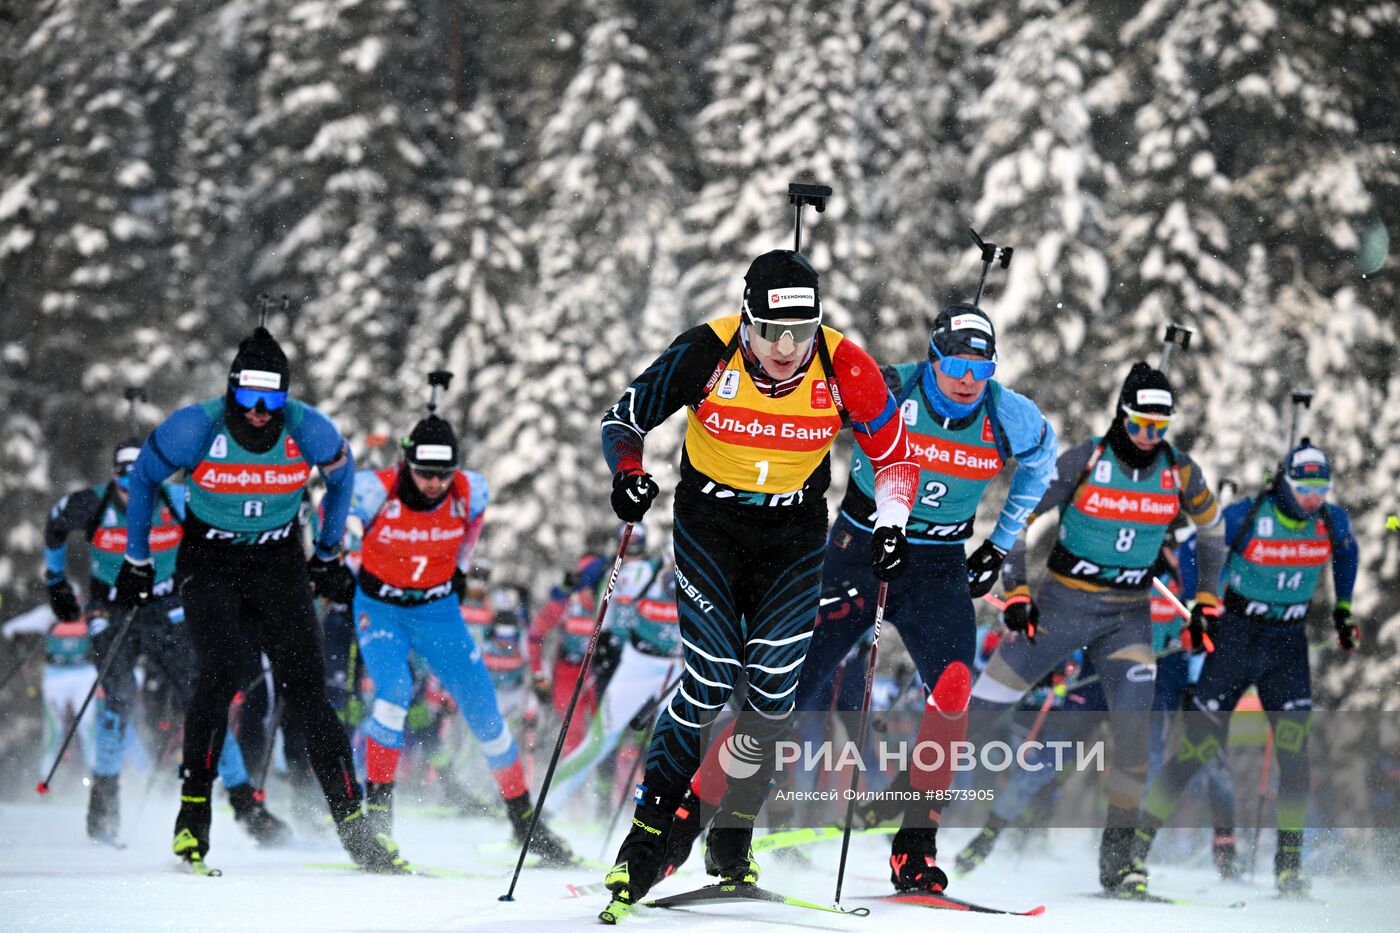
(265, 594)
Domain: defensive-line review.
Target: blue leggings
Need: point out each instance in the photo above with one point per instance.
(929, 604)
(435, 631)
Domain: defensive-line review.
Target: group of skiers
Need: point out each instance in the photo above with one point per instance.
(763, 594)
(755, 587)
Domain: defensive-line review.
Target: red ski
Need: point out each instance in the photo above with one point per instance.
(944, 902)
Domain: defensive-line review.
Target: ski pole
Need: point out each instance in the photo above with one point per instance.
(29, 656)
(860, 740)
(43, 786)
(1181, 610)
(569, 713)
(277, 710)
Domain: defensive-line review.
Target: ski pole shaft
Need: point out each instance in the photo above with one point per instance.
(1169, 596)
(569, 713)
(112, 652)
(860, 740)
(29, 656)
(271, 743)
(1095, 678)
(1041, 714)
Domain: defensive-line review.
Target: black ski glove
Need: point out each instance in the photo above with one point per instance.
(62, 601)
(983, 568)
(459, 584)
(632, 494)
(1021, 613)
(331, 579)
(1200, 633)
(889, 553)
(1348, 632)
(134, 583)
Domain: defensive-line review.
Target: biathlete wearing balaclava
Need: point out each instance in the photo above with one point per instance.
(1116, 502)
(241, 571)
(1278, 548)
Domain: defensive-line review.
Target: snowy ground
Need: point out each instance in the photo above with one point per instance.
(52, 879)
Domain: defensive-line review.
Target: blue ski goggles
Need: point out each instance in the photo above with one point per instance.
(955, 367)
(249, 398)
(1309, 487)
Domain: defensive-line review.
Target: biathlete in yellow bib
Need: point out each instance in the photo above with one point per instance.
(765, 392)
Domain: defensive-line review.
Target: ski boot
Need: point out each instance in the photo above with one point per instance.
(1288, 866)
(914, 863)
(1222, 851)
(639, 861)
(692, 816)
(975, 852)
(191, 841)
(373, 851)
(1122, 855)
(104, 810)
(379, 808)
(248, 809)
(553, 851)
(729, 855)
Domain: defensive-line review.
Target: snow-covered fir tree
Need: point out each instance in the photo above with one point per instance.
(602, 245)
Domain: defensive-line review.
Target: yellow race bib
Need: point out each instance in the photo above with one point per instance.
(745, 440)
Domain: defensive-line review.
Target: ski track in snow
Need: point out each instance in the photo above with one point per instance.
(51, 878)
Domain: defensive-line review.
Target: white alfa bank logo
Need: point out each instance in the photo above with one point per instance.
(740, 756)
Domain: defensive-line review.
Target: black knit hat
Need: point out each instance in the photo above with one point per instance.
(963, 329)
(782, 284)
(431, 445)
(258, 361)
(1147, 390)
